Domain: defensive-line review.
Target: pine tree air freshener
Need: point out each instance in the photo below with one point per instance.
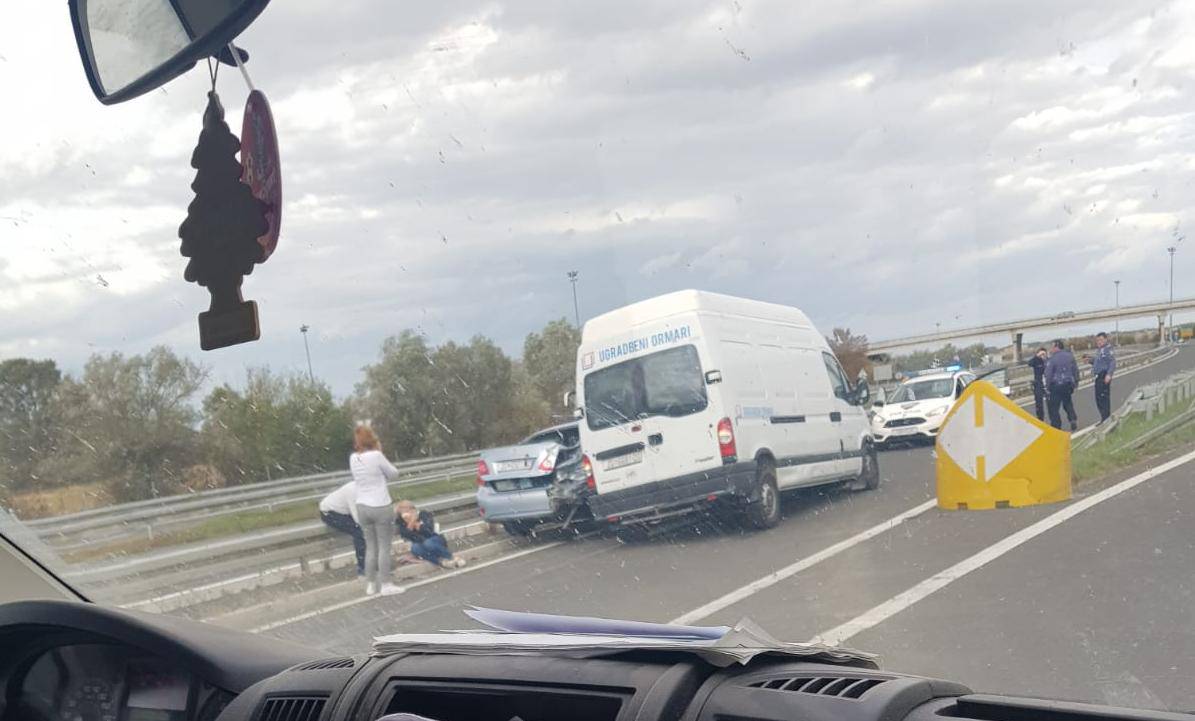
(220, 234)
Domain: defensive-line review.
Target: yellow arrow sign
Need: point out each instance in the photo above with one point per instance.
(991, 453)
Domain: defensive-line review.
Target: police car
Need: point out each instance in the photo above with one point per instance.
(918, 407)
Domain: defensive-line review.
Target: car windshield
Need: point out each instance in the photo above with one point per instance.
(924, 390)
(691, 239)
(667, 383)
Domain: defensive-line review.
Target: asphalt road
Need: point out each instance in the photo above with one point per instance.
(1093, 604)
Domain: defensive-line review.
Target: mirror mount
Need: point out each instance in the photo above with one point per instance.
(712, 377)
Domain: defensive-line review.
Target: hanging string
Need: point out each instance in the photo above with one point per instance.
(213, 72)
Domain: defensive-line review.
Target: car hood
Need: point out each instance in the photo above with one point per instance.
(520, 461)
(911, 409)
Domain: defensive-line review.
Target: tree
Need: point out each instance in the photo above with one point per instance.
(128, 421)
(529, 411)
(27, 389)
(850, 350)
(395, 395)
(278, 425)
(430, 401)
(550, 359)
(473, 396)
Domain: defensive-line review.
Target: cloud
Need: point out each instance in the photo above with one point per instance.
(885, 167)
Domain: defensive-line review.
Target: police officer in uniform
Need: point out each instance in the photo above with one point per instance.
(1038, 364)
(1062, 375)
(1102, 368)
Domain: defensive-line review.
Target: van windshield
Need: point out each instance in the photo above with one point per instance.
(666, 383)
(924, 390)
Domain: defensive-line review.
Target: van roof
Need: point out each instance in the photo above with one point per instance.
(686, 301)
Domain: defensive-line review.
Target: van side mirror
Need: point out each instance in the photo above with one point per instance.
(862, 394)
(877, 403)
(712, 377)
(570, 399)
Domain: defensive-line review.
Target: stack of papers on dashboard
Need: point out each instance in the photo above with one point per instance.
(532, 634)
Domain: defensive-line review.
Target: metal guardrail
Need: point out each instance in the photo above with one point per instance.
(149, 524)
(1149, 400)
(221, 549)
(142, 517)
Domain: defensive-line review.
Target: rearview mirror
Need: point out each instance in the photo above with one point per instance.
(712, 377)
(130, 47)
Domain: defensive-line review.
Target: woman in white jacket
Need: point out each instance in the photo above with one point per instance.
(371, 472)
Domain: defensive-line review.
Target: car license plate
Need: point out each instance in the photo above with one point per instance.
(515, 484)
(629, 459)
(508, 466)
(904, 431)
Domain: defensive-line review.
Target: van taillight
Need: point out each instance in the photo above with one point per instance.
(587, 468)
(726, 445)
(482, 470)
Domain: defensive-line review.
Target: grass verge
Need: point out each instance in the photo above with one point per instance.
(1113, 454)
(233, 524)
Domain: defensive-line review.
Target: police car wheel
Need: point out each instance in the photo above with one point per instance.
(764, 511)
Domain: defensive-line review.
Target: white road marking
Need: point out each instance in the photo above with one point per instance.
(901, 601)
(416, 584)
(809, 561)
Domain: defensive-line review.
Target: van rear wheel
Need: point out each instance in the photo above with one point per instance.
(764, 510)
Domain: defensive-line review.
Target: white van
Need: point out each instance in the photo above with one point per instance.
(695, 397)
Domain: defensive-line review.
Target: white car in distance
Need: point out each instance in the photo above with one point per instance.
(916, 410)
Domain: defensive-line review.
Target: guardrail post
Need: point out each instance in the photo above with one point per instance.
(149, 530)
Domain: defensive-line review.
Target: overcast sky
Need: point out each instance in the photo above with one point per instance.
(884, 166)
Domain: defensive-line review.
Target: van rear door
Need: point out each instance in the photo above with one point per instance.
(647, 419)
(614, 437)
(678, 428)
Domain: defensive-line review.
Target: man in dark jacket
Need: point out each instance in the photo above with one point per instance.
(1038, 364)
(1062, 375)
(1102, 368)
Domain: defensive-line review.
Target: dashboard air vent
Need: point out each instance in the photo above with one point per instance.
(822, 685)
(292, 708)
(327, 664)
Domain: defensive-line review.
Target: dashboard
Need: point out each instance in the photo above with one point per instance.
(110, 682)
(63, 661)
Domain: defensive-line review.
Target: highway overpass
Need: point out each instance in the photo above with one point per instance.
(1016, 328)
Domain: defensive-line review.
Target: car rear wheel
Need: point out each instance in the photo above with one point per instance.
(763, 511)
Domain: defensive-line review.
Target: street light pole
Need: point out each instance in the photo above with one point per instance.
(1117, 282)
(1170, 331)
(310, 375)
(572, 276)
